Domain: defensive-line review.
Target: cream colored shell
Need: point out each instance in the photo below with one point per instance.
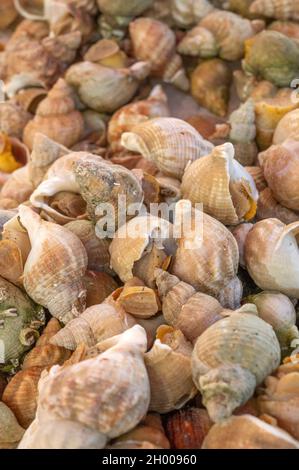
(80, 406)
(222, 185)
(230, 359)
(169, 142)
(54, 270)
(272, 256)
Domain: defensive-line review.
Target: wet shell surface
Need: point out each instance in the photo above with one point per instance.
(56, 117)
(169, 142)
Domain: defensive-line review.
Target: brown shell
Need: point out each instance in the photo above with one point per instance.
(98, 287)
(56, 117)
(186, 429)
(155, 42)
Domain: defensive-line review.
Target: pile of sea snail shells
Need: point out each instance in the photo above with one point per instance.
(149, 337)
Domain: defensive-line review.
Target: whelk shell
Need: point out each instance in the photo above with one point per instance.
(10, 430)
(105, 89)
(268, 207)
(154, 42)
(21, 392)
(97, 249)
(20, 319)
(287, 128)
(248, 432)
(271, 256)
(183, 308)
(279, 398)
(105, 415)
(55, 266)
(135, 240)
(210, 85)
(132, 114)
(98, 287)
(169, 142)
(168, 365)
(95, 324)
(280, 163)
(222, 185)
(280, 9)
(208, 260)
(56, 117)
(272, 56)
(277, 310)
(186, 429)
(230, 359)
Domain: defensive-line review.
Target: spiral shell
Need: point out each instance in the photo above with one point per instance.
(95, 324)
(169, 370)
(207, 259)
(119, 8)
(105, 89)
(97, 249)
(268, 207)
(210, 85)
(132, 114)
(135, 239)
(18, 187)
(58, 284)
(271, 255)
(10, 430)
(20, 320)
(279, 164)
(248, 432)
(243, 132)
(101, 184)
(187, 428)
(8, 13)
(154, 42)
(279, 398)
(280, 9)
(169, 142)
(222, 185)
(149, 434)
(287, 128)
(13, 118)
(186, 13)
(272, 56)
(105, 415)
(277, 310)
(183, 308)
(230, 358)
(44, 153)
(32, 51)
(199, 41)
(229, 32)
(56, 117)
